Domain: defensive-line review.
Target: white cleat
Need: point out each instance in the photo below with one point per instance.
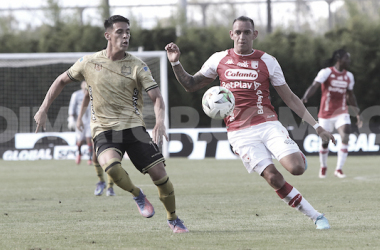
(338, 173)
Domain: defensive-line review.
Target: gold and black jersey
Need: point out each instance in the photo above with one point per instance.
(115, 89)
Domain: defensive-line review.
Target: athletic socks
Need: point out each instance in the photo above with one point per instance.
(342, 156)
(166, 195)
(323, 154)
(120, 176)
(293, 198)
(99, 172)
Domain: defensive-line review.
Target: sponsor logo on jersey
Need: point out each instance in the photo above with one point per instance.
(254, 64)
(237, 85)
(93, 117)
(135, 97)
(98, 67)
(243, 64)
(230, 61)
(126, 70)
(339, 83)
(146, 68)
(241, 74)
(339, 90)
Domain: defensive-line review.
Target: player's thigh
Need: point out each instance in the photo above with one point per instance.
(143, 152)
(344, 122)
(327, 124)
(106, 148)
(276, 138)
(255, 156)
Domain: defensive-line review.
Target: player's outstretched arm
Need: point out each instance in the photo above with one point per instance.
(295, 104)
(83, 108)
(191, 83)
(159, 129)
(54, 90)
(310, 91)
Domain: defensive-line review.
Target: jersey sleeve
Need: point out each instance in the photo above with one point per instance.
(145, 78)
(75, 72)
(322, 75)
(209, 68)
(352, 81)
(276, 75)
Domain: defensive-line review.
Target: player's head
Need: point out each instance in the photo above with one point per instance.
(117, 32)
(243, 33)
(341, 58)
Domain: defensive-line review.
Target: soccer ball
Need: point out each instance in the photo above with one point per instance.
(218, 102)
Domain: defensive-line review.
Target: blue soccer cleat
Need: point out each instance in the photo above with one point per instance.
(322, 223)
(110, 192)
(100, 186)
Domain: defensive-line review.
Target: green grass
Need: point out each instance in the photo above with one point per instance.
(50, 205)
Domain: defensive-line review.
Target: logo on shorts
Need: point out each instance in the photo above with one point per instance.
(289, 141)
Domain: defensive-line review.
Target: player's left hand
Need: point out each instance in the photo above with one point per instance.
(325, 135)
(40, 117)
(158, 132)
(359, 122)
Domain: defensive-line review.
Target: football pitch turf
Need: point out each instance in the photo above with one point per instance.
(51, 205)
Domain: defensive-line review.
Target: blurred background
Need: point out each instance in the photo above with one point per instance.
(301, 34)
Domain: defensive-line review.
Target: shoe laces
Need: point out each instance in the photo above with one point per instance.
(177, 222)
(140, 200)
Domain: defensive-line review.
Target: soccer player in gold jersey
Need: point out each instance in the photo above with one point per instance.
(115, 81)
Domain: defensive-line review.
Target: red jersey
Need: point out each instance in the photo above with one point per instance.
(248, 78)
(334, 85)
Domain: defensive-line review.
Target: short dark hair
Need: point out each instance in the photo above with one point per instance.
(115, 19)
(244, 19)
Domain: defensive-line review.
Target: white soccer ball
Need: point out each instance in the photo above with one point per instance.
(218, 102)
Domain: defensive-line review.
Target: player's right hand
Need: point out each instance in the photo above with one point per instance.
(40, 117)
(71, 124)
(172, 51)
(325, 135)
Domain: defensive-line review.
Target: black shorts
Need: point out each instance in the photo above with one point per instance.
(138, 144)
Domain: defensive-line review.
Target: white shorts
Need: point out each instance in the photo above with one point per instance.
(85, 133)
(257, 144)
(335, 122)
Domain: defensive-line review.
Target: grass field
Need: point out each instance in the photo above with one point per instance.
(50, 205)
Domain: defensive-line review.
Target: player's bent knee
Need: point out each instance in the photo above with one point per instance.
(113, 168)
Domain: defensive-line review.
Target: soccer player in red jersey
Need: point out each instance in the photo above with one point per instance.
(337, 86)
(253, 128)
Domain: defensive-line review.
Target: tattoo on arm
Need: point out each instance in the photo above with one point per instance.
(189, 82)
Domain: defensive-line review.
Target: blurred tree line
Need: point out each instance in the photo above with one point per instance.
(301, 55)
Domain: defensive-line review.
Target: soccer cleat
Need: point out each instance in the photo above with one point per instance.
(322, 172)
(322, 223)
(145, 208)
(110, 192)
(339, 173)
(77, 160)
(177, 226)
(89, 162)
(99, 188)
